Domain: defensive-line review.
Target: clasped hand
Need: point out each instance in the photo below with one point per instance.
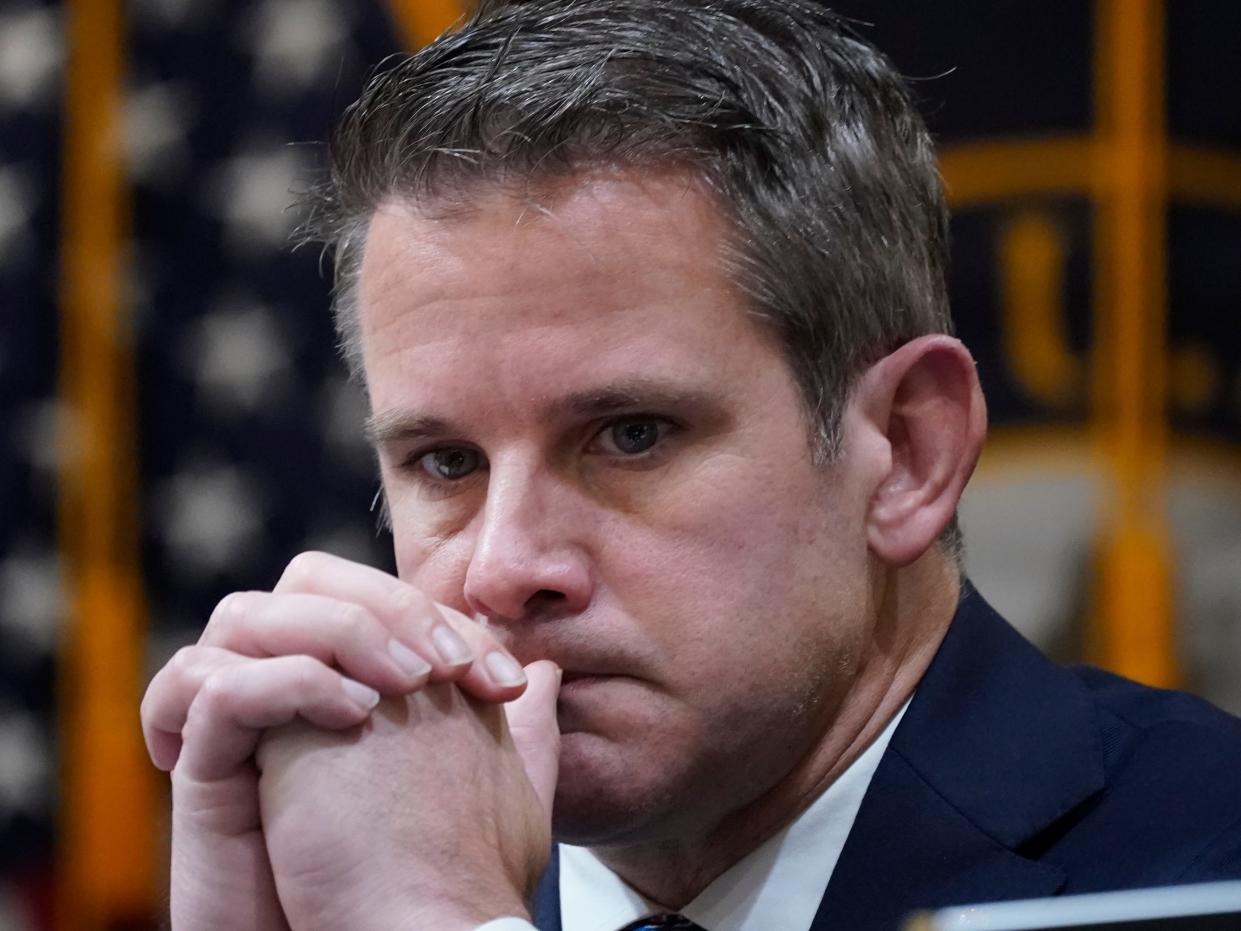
(340, 758)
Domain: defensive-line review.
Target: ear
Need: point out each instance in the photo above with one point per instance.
(925, 401)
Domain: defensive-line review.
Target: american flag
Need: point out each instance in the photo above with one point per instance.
(248, 444)
(31, 66)
(248, 431)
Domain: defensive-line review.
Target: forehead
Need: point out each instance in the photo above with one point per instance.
(581, 232)
(604, 276)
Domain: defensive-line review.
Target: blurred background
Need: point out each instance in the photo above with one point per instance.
(174, 424)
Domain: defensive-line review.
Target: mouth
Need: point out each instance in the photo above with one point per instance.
(573, 682)
(582, 669)
(594, 691)
(581, 698)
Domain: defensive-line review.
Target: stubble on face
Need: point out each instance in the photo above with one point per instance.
(725, 609)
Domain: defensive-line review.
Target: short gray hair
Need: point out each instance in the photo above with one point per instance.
(807, 136)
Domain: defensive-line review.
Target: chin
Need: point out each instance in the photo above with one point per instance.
(599, 819)
(604, 797)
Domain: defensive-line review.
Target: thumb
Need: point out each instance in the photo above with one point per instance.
(532, 723)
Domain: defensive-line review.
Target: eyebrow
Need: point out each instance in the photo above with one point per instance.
(390, 427)
(399, 426)
(631, 396)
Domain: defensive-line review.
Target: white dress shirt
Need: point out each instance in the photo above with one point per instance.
(778, 885)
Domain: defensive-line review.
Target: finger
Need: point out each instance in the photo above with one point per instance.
(458, 648)
(495, 676)
(413, 618)
(174, 689)
(338, 633)
(168, 698)
(239, 700)
(532, 724)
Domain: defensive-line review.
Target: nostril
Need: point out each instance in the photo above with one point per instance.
(546, 594)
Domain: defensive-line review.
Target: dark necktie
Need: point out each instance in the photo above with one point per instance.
(663, 923)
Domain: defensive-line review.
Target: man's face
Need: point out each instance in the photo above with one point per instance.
(586, 440)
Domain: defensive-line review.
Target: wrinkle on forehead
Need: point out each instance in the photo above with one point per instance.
(607, 217)
(587, 201)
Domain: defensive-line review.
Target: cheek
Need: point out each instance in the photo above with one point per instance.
(754, 523)
(754, 594)
(435, 564)
(422, 516)
(721, 569)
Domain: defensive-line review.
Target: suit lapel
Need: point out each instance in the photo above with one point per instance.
(910, 850)
(997, 745)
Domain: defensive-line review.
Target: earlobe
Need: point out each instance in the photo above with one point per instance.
(926, 400)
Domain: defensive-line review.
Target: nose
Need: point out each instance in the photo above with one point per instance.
(526, 557)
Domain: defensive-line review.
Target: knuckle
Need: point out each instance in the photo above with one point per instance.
(232, 613)
(353, 616)
(227, 611)
(305, 675)
(409, 600)
(183, 663)
(217, 691)
(306, 566)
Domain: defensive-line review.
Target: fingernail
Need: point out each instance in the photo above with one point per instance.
(451, 648)
(504, 670)
(410, 662)
(361, 695)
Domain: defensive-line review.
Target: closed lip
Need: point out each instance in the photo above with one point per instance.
(581, 678)
(577, 698)
(572, 682)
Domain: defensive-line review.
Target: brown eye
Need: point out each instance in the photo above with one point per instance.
(451, 464)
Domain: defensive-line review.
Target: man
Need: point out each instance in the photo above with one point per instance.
(648, 298)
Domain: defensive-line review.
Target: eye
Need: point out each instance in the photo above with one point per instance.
(450, 464)
(633, 436)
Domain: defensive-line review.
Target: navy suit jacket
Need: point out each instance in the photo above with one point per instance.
(1011, 777)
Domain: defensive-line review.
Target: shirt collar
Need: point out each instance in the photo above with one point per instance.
(777, 885)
